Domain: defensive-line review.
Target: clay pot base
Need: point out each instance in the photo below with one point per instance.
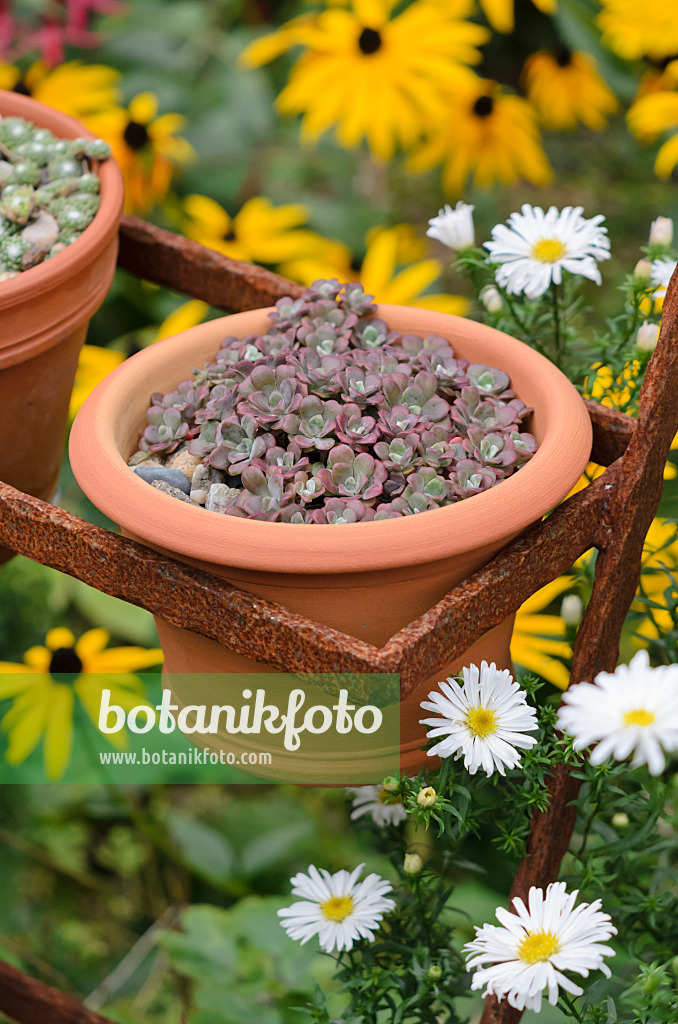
(194, 679)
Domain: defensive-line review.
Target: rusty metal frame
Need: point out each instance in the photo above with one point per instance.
(613, 514)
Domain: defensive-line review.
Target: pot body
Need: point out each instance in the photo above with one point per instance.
(44, 314)
(365, 579)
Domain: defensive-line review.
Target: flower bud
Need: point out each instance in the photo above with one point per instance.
(391, 784)
(643, 270)
(620, 820)
(435, 972)
(491, 299)
(454, 228)
(647, 337)
(661, 232)
(426, 797)
(572, 610)
(412, 864)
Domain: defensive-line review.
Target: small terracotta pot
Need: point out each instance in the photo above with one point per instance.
(365, 579)
(44, 314)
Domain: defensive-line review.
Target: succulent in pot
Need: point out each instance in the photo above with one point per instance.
(326, 556)
(409, 427)
(60, 208)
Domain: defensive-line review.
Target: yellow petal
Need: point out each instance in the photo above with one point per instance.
(59, 637)
(543, 598)
(18, 679)
(90, 644)
(125, 659)
(667, 158)
(208, 215)
(25, 729)
(188, 314)
(143, 107)
(59, 732)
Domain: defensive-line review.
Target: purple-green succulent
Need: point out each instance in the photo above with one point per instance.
(330, 417)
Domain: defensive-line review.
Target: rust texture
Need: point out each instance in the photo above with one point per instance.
(488, 597)
(612, 431)
(29, 1001)
(185, 266)
(176, 592)
(628, 509)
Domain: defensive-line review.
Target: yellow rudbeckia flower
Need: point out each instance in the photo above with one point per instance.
(94, 363)
(188, 314)
(566, 88)
(651, 116)
(77, 89)
(634, 29)
(371, 75)
(146, 146)
(500, 13)
(615, 392)
(43, 691)
(382, 273)
(539, 641)
(488, 135)
(259, 233)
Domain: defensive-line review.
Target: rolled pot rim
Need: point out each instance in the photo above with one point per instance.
(485, 520)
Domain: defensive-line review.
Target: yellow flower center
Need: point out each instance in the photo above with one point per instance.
(548, 250)
(639, 716)
(481, 721)
(337, 908)
(537, 946)
(389, 798)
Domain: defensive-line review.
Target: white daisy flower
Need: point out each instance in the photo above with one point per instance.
(337, 908)
(631, 710)
(383, 807)
(534, 945)
(538, 246)
(454, 227)
(483, 721)
(662, 272)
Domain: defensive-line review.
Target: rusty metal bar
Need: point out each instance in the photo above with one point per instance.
(185, 266)
(612, 432)
(542, 553)
(627, 512)
(28, 1001)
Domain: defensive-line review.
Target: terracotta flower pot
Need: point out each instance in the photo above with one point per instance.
(365, 579)
(44, 314)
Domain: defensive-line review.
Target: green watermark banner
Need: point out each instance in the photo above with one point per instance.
(307, 728)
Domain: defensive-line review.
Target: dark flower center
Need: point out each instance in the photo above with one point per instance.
(563, 56)
(668, 60)
(21, 88)
(229, 236)
(483, 106)
(369, 41)
(65, 661)
(136, 135)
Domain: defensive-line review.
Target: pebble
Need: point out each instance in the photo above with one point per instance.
(42, 232)
(221, 497)
(203, 478)
(145, 459)
(185, 462)
(163, 474)
(173, 492)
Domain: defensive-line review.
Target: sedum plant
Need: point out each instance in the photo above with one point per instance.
(49, 193)
(331, 417)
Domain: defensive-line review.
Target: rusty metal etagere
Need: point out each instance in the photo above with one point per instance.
(613, 514)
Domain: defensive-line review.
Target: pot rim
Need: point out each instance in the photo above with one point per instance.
(69, 263)
(486, 520)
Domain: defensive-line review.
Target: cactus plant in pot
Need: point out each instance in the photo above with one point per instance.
(49, 288)
(363, 544)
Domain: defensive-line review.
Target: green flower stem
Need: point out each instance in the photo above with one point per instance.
(557, 334)
(570, 1008)
(513, 310)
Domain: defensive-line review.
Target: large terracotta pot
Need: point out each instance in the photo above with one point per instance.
(365, 579)
(44, 314)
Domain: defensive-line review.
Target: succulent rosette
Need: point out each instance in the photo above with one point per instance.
(331, 417)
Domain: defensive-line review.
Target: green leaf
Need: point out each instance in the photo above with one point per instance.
(204, 849)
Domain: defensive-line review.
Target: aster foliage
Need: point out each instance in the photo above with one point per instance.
(331, 417)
